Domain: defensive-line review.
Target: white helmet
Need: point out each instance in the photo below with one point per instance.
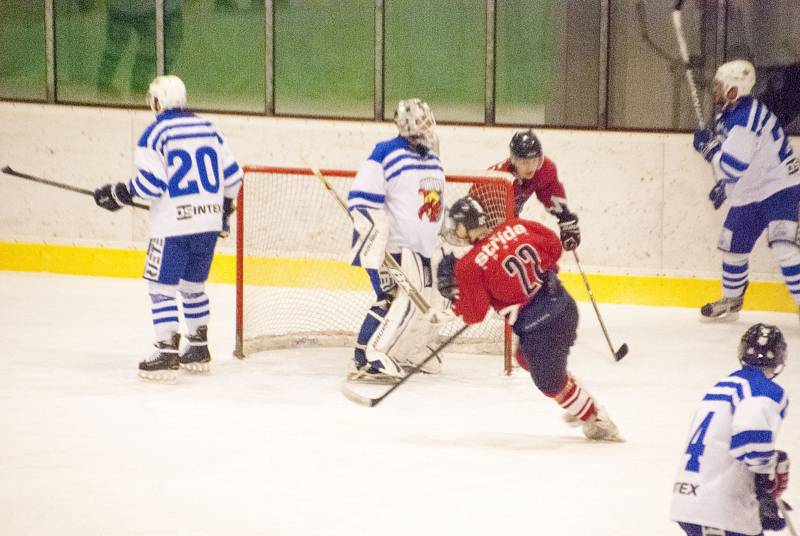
(739, 74)
(414, 120)
(166, 93)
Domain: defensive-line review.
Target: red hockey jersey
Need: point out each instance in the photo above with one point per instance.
(504, 268)
(544, 184)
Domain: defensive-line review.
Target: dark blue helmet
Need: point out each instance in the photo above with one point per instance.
(524, 144)
(466, 212)
(763, 346)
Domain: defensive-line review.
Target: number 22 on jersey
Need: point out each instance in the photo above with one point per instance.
(516, 265)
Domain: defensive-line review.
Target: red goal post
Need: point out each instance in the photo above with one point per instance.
(294, 284)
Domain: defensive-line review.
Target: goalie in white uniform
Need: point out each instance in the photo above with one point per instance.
(186, 170)
(397, 208)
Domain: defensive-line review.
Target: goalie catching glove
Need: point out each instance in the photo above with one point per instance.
(370, 236)
(113, 196)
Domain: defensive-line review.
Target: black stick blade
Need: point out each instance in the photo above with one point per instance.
(622, 352)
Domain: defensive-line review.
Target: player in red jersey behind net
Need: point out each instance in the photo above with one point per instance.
(513, 269)
(533, 173)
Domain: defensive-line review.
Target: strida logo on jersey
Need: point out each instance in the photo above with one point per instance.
(497, 240)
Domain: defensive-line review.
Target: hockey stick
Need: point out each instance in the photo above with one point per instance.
(391, 264)
(623, 350)
(8, 171)
(784, 508)
(677, 24)
(372, 402)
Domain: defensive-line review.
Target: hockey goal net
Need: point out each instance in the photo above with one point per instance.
(294, 284)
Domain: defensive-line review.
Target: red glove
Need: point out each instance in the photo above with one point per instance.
(781, 480)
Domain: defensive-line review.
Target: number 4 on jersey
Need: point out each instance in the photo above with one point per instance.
(696, 447)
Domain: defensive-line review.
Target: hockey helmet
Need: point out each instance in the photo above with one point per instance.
(763, 346)
(465, 215)
(415, 121)
(525, 145)
(739, 74)
(166, 92)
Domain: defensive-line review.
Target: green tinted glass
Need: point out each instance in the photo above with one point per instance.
(547, 62)
(324, 57)
(105, 50)
(23, 73)
(217, 48)
(436, 51)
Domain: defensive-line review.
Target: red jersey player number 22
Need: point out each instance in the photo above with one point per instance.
(505, 267)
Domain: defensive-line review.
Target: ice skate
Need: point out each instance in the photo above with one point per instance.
(571, 420)
(196, 358)
(374, 368)
(600, 427)
(722, 310)
(163, 364)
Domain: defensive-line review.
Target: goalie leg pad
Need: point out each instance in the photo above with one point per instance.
(405, 332)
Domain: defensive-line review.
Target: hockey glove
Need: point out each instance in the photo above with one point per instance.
(113, 196)
(446, 277)
(706, 143)
(370, 236)
(228, 208)
(570, 233)
(718, 195)
(775, 486)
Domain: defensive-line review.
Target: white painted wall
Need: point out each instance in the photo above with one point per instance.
(641, 197)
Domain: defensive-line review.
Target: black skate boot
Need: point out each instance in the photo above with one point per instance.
(724, 310)
(163, 365)
(196, 357)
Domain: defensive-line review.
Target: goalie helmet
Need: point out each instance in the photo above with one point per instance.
(465, 215)
(525, 145)
(737, 73)
(763, 346)
(415, 121)
(166, 93)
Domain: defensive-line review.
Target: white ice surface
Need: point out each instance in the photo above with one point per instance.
(269, 445)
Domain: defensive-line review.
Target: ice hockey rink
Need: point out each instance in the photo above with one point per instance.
(268, 445)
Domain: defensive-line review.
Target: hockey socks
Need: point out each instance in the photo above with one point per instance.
(194, 301)
(575, 400)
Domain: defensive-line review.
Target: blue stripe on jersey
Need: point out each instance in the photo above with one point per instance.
(152, 179)
(234, 183)
(160, 118)
(188, 136)
(760, 385)
(740, 115)
(173, 126)
(751, 436)
(413, 166)
(759, 107)
(367, 196)
(382, 149)
(721, 398)
(404, 155)
(734, 385)
(765, 455)
(767, 117)
(141, 190)
(733, 162)
(230, 170)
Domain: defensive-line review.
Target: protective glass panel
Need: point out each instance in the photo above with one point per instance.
(647, 79)
(23, 73)
(105, 50)
(547, 62)
(217, 48)
(436, 51)
(768, 34)
(324, 58)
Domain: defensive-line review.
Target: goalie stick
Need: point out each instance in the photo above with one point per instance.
(623, 350)
(391, 264)
(366, 401)
(8, 171)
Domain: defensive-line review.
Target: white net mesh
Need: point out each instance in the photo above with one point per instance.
(296, 287)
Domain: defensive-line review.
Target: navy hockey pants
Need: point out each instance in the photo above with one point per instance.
(545, 348)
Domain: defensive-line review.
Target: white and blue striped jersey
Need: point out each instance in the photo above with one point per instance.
(185, 168)
(732, 437)
(756, 159)
(409, 186)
